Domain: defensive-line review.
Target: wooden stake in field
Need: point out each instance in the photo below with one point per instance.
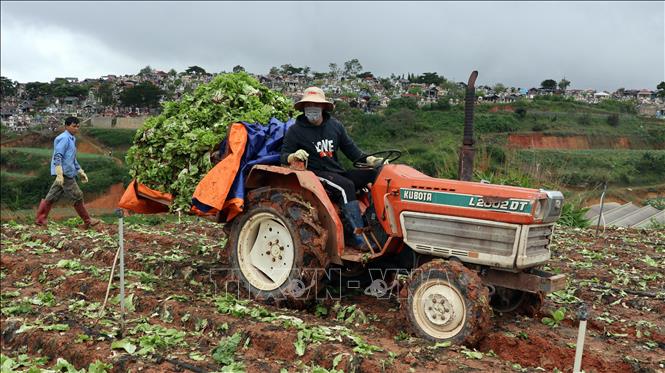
(600, 214)
(581, 332)
(121, 254)
(121, 240)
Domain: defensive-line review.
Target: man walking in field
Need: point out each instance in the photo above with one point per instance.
(65, 167)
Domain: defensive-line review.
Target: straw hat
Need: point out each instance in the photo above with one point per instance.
(314, 94)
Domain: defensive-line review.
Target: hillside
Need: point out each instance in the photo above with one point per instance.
(25, 170)
(547, 142)
(553, 143)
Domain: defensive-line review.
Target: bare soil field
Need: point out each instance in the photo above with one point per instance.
(185, 314)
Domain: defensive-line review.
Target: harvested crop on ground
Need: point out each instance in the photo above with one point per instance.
(185, 315)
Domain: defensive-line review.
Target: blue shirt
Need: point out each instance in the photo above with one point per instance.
(64, 153)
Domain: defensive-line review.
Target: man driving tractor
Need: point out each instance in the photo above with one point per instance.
(314, 139)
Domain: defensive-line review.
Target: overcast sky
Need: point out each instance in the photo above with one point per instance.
(600, 45)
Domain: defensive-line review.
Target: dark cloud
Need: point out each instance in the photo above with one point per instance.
(602, 45)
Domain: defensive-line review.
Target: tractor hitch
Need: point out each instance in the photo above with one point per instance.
(534, 282)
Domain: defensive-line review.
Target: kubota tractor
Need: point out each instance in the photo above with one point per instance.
(471, 246)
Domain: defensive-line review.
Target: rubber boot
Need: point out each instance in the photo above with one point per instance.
(351, 212)
(42, 212)
(83, 213)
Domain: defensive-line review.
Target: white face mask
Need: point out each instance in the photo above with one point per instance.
(313, 113)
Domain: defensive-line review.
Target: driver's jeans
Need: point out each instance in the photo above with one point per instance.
(342, 187)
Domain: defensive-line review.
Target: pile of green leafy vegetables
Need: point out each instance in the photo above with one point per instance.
(171, 151)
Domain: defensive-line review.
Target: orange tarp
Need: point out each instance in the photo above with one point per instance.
(143, 200)
(215, 185)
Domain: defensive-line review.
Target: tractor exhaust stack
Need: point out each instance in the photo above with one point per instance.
(467, 151)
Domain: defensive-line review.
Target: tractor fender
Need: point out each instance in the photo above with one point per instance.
(312, 190)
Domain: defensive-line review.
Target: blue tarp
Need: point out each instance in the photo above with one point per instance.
(264, 145)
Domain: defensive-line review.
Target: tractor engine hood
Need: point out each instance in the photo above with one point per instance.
(401, 188)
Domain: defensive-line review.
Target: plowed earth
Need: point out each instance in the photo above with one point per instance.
(54, 281)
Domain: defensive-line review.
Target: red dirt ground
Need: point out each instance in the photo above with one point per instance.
(619, 276)
(541, 141)
(110, 199)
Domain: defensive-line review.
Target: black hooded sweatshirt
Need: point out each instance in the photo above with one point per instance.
(321, 143)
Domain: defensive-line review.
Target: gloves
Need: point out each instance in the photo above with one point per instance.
(299, 155)
(83, 176)
(375, 161)
(59, 175)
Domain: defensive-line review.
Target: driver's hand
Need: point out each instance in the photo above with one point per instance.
(375, 161)
(300, 154)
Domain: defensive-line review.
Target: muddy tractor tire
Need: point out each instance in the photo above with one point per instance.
(277, 248)
(445, 301)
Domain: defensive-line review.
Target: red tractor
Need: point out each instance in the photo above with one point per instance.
(470, 246)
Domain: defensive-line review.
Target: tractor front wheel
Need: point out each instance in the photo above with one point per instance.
(446, 301)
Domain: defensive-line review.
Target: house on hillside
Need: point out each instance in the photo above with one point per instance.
(602, 95)
(266, 81)
(531, 93)
(89, 109)
(128, 83)
(384, 101)
(491, 98)
(70, 100)
(25, 106)
(291, 85)
(574, 93)
(645, 95)
(6, 112)
(432, 92)
(51, 109)
(333, 90)
(630, 93)
(418, 86)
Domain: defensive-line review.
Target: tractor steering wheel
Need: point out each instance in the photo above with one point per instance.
(390, 156)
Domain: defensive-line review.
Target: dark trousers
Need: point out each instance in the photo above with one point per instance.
(69, 189)
(342, 187)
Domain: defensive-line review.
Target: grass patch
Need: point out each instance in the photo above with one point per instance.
(112, 137)
(33, 159)
(20, 192)
(15, 175)
(591, 167)
(430, 140)
(7, 134)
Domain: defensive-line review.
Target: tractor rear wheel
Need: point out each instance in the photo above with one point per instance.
(277, 248)
(446, 301)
